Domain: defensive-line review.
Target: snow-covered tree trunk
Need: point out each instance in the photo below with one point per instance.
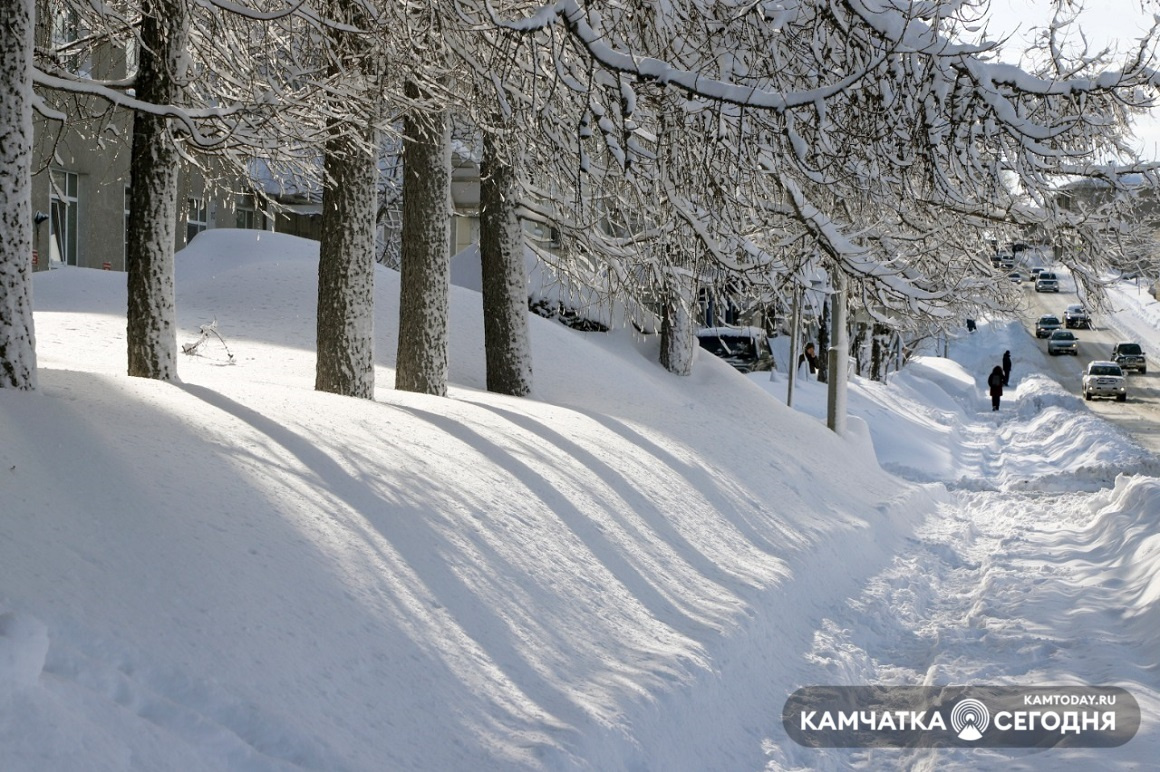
(17, 338)
(505, 281)
(152, 333)
(678, 340)
(879, 351)
(824, 342)
(858, 348)
(425, 260)
(346, 271)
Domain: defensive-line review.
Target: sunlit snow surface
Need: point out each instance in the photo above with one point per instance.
(628, 570)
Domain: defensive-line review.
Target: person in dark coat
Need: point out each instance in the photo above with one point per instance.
(1006, 368)
(995, 381)
(809, 358)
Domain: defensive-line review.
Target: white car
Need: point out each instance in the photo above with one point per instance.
(1104, 379)
(1046, 282)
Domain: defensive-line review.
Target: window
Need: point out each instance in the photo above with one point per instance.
(62, 228)
(247, 214)
(131, 57)
(66, 32)
(198, 218)
(547, 235)
(464, 232)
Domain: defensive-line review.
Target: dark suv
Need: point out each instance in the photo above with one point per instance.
(1129, 356)
(745, 348)
(1076, 316)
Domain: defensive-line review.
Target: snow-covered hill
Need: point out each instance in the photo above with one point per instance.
(236, 571)
(630, 570)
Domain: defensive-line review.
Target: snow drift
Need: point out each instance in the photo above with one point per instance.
(237, 572)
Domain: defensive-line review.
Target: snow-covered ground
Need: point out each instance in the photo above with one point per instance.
(1040, 568)
(630, 570)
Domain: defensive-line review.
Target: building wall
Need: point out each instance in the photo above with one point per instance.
(93, 151)
(98, 155)
(81, 167)
(82, 173)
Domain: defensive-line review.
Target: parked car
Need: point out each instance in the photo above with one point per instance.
(745, 348)
(1076, 316)
(1063, 342)
(1104, 379)
(1047, 325)
(1130, 356)
(1046, 282)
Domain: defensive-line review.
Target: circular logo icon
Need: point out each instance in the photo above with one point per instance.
(970, 719)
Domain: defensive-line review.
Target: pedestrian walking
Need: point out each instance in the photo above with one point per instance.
(995, 381)
(1006, 368)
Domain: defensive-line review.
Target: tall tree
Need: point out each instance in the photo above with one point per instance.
(883, 103)
(17, 336)
(824, 341)
(505, 280)
(346, 258)
(161, 77)
(425, 259)
(678, 328)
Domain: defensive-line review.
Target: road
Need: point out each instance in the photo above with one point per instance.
(1140, 415)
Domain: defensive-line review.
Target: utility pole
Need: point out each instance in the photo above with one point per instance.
(839, 353)
(795, 324)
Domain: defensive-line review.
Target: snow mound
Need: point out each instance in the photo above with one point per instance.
(250, 574)
(1122, 545)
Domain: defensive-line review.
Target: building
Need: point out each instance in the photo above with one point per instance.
(1143, 255)
(80, 186)
(81, 175)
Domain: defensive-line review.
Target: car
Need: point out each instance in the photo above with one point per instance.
(1063, 342)
(1047, 325)
(1035, 271)
(1130, 356)
(1076, 316)
(1046, 282)
(1104, 379)
(1015, 277)
(746, 349)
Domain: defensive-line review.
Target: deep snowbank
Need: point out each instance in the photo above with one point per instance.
(1121, 545)
(237, 572)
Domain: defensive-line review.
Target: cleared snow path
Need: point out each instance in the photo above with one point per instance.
(1023, 576)
(1004, 588)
